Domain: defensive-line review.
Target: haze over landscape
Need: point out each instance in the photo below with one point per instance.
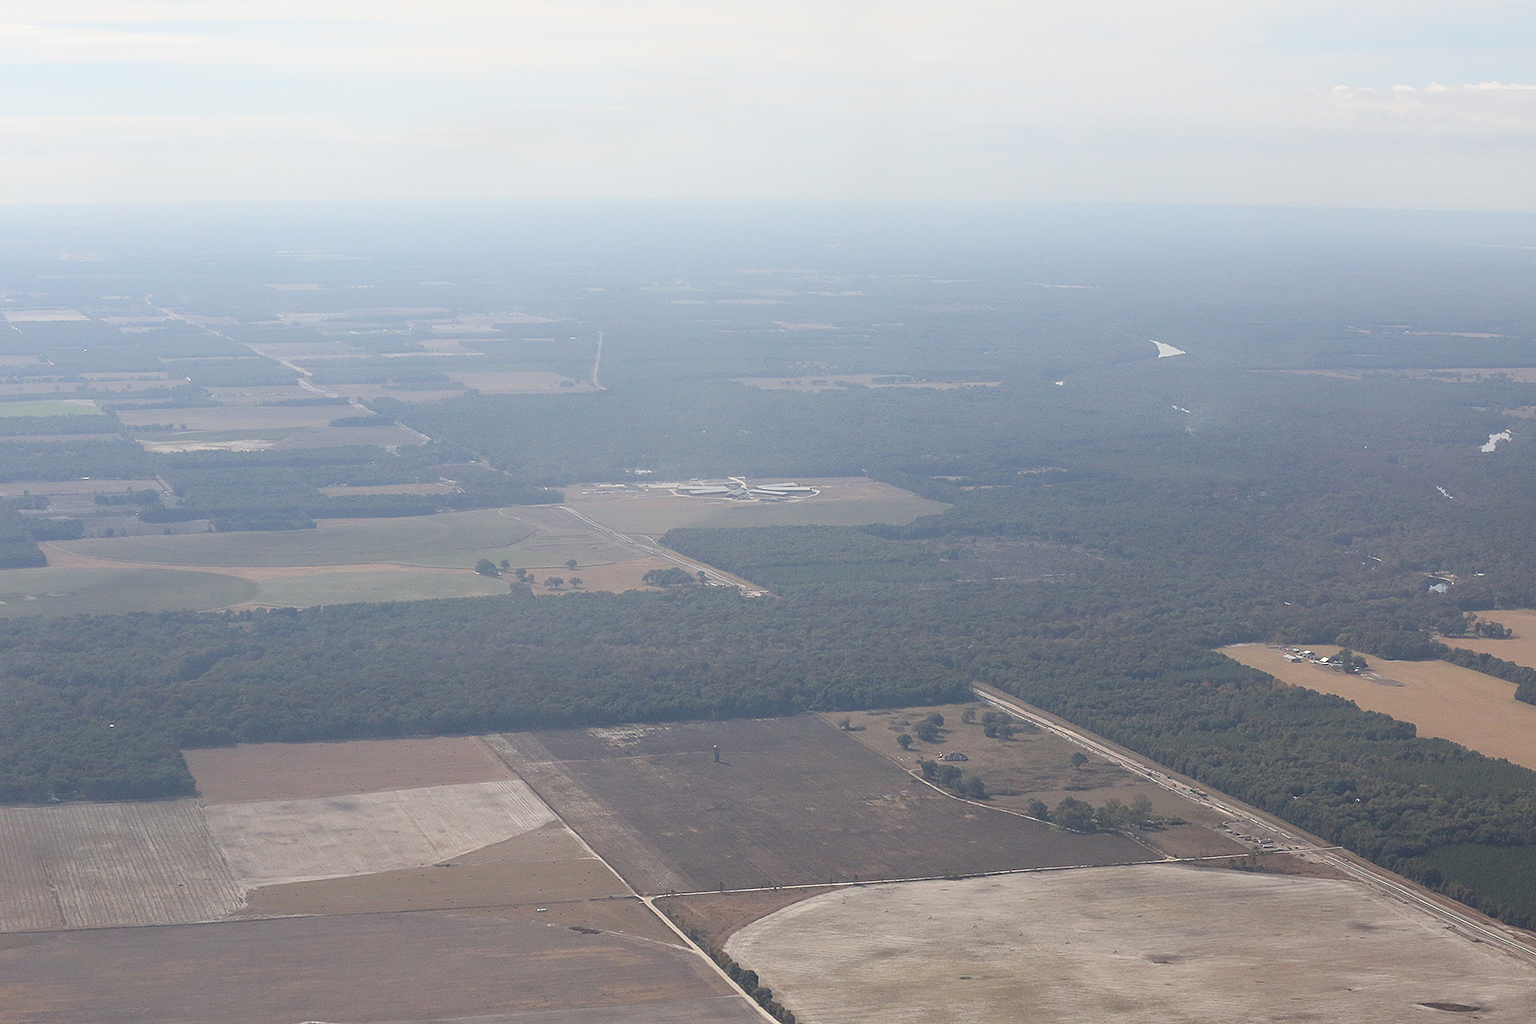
(669, 512)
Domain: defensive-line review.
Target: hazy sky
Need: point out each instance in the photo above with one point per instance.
(1414, 103)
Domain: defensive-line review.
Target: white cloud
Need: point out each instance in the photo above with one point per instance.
(1487, 109)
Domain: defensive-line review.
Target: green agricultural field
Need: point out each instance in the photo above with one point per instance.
(450, 539)
(342, 587)
(72, 591)
(842, 501)
(61, 407)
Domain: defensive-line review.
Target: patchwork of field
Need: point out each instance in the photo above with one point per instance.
(1134, 944)
(1444, 700)
(792, 801)
(431, 966)
(868, 380)
(842, 501)
(107, 865)
(58, 407)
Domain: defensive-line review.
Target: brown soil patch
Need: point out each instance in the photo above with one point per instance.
(1520, 648)
(791, 802)
(545, 866)
(1441, 699)
(1277, 864)
(64, 558)
(718, 916)
(374, 967)
(253, 772)
(614, 578)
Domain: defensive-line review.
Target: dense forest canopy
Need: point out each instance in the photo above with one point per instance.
(1299, 473)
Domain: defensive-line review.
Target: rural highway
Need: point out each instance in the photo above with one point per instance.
(1394, 886)
(655, 551)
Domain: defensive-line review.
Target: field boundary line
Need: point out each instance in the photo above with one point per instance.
(650, 903)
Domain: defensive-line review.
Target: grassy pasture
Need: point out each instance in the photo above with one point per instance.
(62, 407)
(115, 590)
(843, 501)
(240, 417)
(1454, 703)
(793, 801)
(1125, 944)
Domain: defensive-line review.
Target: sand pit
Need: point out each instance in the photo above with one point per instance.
(1441, 699)
(280, 841)
(1134, 944)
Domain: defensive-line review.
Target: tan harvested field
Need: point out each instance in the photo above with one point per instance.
(344, 489)
(793, 801)
(545, 866)
(1134, 944)
(433, 966)
(278, 841)
(1454, 703)
(1520, 648)
(105, 865)
(296, 771)
(1036, 765)
(867, 380)
(75, 487)
(511, 382)
(843, 501)
(238, 417)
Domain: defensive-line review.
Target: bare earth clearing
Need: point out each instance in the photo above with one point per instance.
(1134, 944)
(1444, 700)
(793, 801)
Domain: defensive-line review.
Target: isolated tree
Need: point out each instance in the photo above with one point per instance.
(1141, 809)
(972, 787)
(571, 563)
(927, 731)
(905, 740)
(1074, 814)
(968, 716)
(937, 719)
(505, 565)
(554, 583)
(1036, 809)
(1079, 759)
(575, 581)
(485, 567)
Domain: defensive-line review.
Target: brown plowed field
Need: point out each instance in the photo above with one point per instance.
(794, 801)
(1454, 703)
(104, 865)
(426, 966)
(297, 771)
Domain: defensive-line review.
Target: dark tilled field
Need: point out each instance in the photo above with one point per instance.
(793, 801)
(376, 967)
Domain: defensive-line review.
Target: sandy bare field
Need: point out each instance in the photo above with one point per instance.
(545, 866)
(105, 865)
(280, 841)
(1441, 699)
(842, 501)
(433, 966)
(1520, 648)
(295, 771)
(1135, 944)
